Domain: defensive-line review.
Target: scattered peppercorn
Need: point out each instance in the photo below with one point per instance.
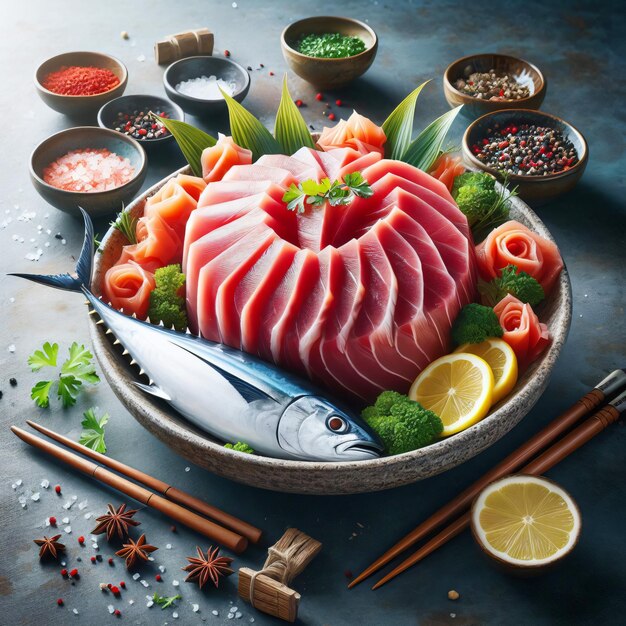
(124, 35)
(299, 103)
(249, 68)
(453, 595)
(115, 590)
(1, 394)
(348, 573)
(173, 528)
(319, 96)
(81, 540)
(58, 236)
(52, 520)
(99, 558)
(63, 572)
(123, 585)
(13, 382)
(331, 116)
(338, 103)
(226, 53)
(58, 489)
(117, 613)
(93, 559)
(158, 578)
(526, 150)
(111, 561)
(271, 73)
(261, 65)
(60, 601)
(74, 573)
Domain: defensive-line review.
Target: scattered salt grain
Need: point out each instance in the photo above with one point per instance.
(234, 5)
(35, 497)
(45, 483)
(66, 520)
(11, 300)
(131, 602)
(145, 583)
(149, 603)
(175, 583)
(63, 241)
(68, 505)
(238, 615)
(251, 620)
(88, 515)
(195, 608)
(452, 615)
(34, 256)
(68, 529)
(111, 608)
(162, 569)
(230, 616)
(136, 576)
(75, 611)
(187, 469)
(12, 348)
(22, 501)
(82, 505)
(168, 546)
(18, 482)
(215, 612)
(175, 615)
(233, 609)
(141, 58)
(206, 87)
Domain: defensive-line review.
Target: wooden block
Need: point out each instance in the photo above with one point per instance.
(270, 596)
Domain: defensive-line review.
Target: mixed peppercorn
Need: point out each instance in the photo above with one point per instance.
(526, 150)
(139, 125)
(491, 85)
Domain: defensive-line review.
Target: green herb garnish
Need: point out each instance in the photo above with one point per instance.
(167, 302)
(93, 430)
(519, 284)
(336, 193)
(126, 224)
(76, 370)
(240, 447)
(163, 601)
(330, 45)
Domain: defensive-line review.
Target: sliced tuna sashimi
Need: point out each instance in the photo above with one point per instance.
(300, 169)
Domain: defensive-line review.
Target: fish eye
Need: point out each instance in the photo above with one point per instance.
(336, 424)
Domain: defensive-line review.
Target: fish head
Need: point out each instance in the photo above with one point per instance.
(316, 429)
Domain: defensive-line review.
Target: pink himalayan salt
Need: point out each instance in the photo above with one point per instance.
(89, 170)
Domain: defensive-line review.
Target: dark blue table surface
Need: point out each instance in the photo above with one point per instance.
(579, 46)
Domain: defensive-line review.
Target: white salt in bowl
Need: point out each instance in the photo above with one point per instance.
(195, 67)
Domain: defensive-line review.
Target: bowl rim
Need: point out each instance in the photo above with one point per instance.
(167, 101)
(121, 65)
(582, 158)
(75, 129)
(359, 23)
(448, 83)
(168, 83)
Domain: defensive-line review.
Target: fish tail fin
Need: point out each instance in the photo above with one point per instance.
(84, 265)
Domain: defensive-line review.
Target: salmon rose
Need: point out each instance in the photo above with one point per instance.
(357, 132)
(218, 159)
(128, 286)
(522, 329)
(514, 244)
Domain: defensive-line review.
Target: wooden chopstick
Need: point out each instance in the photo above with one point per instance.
(249, 531)
(604, 390)
(224, 536)
(548, 459)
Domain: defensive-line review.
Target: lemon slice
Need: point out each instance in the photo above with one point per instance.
(502, 361)
(525, 521)
(457, 387)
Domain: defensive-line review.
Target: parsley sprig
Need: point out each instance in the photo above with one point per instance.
(75, 370)
(337, 193)
(163, 601)
(127, 225)
(93, 430)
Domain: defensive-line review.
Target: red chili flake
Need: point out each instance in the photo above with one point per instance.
(63, 572)
(338, 103)
(115, 590)
(81, 540)
(117, 613)
(348, 573)
(60, 601)
(501, 93)
(503, 144)
(93, 559)
(58, 489)
(81, 81)
(111, 561)
(319, 96)
(226, 53)
(158, 578)
(271, 73)
(331, 116)
(74, 573)
(52, 520)
(299, 103)
(123, 585)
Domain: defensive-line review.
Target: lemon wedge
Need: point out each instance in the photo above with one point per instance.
(458, 387)
(502, 361)
(525, 521)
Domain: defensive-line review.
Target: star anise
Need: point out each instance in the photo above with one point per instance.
(49, 547)
(135, 551)
(207, 567)
(115, 522)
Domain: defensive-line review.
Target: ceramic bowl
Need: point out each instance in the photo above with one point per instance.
(80, 105)
(194, 67)
(526, 73)
(108, 114)
(328, 73)
(535, 189)
(328, 478)
(95, 203)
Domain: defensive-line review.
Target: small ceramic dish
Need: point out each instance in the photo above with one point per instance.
(80, 105)
(195, 67)
(82, 137)
(524, 72)
(536, 189)
(108, 115)
(328, 73)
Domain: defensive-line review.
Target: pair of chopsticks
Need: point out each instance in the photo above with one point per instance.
(226, 529)
(517, 461)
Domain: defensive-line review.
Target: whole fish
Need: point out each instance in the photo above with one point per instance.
(228, 393)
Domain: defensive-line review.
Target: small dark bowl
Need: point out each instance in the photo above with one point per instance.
(107, 115)
(80, 105)
(525, 73)
(537, 189)
(194, 67)
(328, 73)
(95, 203)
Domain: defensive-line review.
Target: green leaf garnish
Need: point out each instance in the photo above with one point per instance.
(398, 126)
(93, 430)
(248, 132)
(127, 225)
(425, 148)
(163, 601)
(511, 281)
(75, 370)
(191, 140)
(291, 130)
(336, 193)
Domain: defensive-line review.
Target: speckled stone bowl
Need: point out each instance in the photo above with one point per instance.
(330, 478)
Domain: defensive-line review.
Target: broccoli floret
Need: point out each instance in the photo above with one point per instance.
(476, 179)
(167, 301)
(474, 324)
(402, 424)
(519, 284)
(240, 447)
(474, 201)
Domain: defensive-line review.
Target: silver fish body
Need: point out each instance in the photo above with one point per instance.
(228, 393)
